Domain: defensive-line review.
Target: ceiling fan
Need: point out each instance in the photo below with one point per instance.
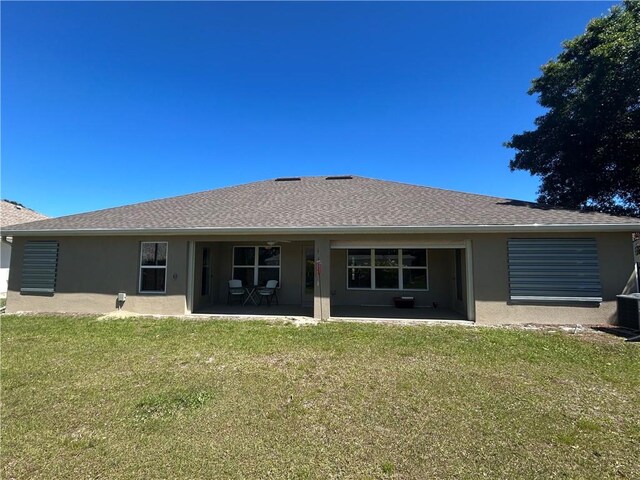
(272, 243)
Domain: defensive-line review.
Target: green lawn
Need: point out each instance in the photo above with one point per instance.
(166, 398)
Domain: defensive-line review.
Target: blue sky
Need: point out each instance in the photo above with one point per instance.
(111, 103)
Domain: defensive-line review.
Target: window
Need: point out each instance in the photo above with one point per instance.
(256, 265)
(39, 268)
(554, 270)
(153, 267)
(387, 268)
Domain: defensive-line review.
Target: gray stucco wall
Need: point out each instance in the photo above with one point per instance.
(491, 286)
(91, 270)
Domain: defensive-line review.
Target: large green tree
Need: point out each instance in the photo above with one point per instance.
(586, 147)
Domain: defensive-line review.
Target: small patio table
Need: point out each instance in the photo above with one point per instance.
(251, 294)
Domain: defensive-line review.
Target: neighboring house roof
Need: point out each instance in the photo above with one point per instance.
(320, 204)
(12, 213)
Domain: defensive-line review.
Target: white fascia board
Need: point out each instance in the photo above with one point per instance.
(398, 229)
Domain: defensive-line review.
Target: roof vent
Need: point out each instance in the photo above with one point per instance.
(288, 179)
(343, 177)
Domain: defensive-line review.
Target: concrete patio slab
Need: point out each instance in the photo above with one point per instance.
(345, 312)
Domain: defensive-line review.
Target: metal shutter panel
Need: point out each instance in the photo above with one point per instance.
(39, 267)
(554, 269)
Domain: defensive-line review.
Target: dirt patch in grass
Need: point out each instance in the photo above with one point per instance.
(168, 405)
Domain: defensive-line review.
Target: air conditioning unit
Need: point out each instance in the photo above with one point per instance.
(629, 311)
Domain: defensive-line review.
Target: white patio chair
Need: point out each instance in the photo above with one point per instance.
(236, 290)
(269, 292)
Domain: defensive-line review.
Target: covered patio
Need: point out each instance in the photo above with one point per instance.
(236, 310)
(363, 312)
(345, 312)
(325, 279)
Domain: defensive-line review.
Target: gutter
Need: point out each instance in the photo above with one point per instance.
(397, 229)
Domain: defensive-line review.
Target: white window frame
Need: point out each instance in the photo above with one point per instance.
(152, 292)
(256, 260)
(400, 267)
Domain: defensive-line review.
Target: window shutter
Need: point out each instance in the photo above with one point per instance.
(554, 269)
(39, 267)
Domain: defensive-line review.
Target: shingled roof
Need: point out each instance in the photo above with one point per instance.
(325, 204)
(12, 213)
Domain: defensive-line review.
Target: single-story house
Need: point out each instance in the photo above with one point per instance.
(341, 246)
(11, 213)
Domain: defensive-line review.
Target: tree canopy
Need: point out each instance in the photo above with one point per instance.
(586, 147)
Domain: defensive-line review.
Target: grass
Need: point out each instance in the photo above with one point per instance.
(166, 398)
